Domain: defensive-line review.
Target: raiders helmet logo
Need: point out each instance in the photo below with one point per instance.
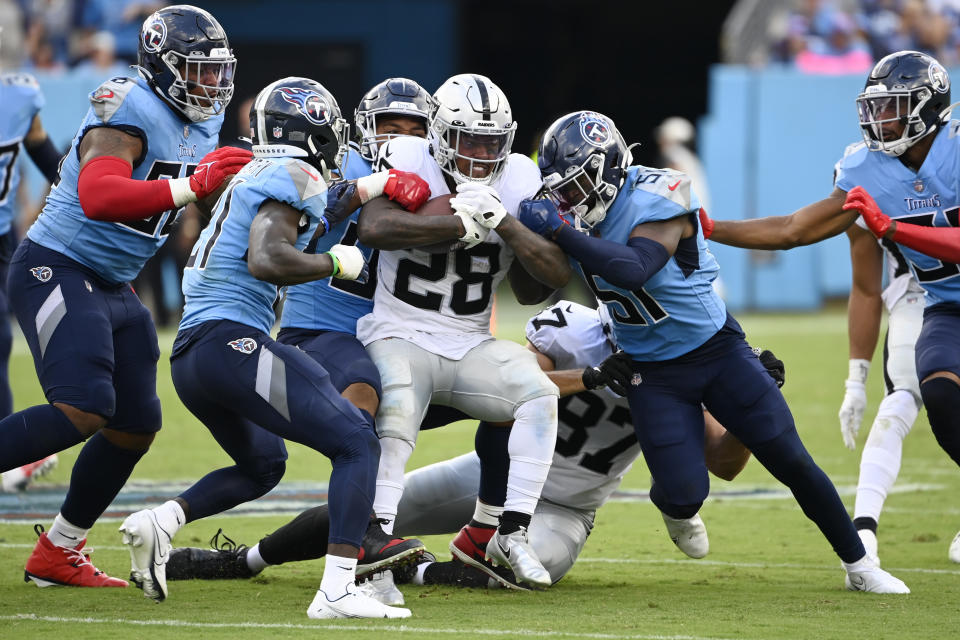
(595, 130)
(154, 34)
(245, 346)
(308, 103)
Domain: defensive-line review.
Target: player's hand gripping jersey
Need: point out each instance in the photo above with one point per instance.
(117, 251)
(333, 304)
(217, 284)
(442, 302)
(929, 197)
(595, 441)
(20, 101)
(677, 309)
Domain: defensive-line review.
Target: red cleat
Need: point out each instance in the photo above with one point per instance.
(51, 565)
(470, 548)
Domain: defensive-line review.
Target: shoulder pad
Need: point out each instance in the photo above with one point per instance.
(853, 156)
(670, 184)
(557, 329)
(406, 153)
(305, 178)
(523, 175)
(19, 79)
(109, 96)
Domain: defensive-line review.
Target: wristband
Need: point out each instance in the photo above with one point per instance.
(181, 191)
(858, 370)
(371, 186)
(336, 263)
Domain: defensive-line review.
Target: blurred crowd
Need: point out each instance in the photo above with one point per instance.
(59, 35)
(837, 36)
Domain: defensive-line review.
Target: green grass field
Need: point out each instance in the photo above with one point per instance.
(770, 574)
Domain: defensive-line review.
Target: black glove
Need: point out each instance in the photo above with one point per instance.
(773, 365)
(614, 372)
(339, 197)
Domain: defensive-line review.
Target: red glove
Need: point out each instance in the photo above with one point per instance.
(408, 189)
(217, 166)
(859, 200)
(705, 223)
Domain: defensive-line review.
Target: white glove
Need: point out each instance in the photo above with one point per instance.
(854, 402)
(348, 262)
(481, 201)
(474, 232)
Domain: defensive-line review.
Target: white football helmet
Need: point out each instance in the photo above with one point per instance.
(473, 123)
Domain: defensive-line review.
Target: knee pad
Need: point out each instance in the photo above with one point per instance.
(896, 414)
(363, 444)
(98, 396)
(266, 472)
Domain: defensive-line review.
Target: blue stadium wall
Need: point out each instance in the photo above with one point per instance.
(769, 143)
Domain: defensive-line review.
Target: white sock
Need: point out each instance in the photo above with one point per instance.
(531, 444)
(487, 514)
(421, 569)
(882, 453)
(255, 561)
(170, 517)
(64, 534)
(863, 563)
(338, 573)
(394, 454)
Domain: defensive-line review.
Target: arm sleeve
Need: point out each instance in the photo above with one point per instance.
(108, 193)
(628, 266)
(46, 157)
(937, 242)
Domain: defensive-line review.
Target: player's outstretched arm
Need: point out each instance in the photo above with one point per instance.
(273, 255)
(41, 150)
(384, 224)
(815, 222)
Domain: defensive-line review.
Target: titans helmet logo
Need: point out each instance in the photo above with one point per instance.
(939, 79)
(153, 34)
(595, 129)
(310, 103)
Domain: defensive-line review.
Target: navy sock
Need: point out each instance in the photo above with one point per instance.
(353, 484)
(29, 435)
(491, 446)
(786, 458)
(101, 470)
(227, 487)
(941, 397)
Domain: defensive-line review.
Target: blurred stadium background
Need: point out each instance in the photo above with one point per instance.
(768, 85)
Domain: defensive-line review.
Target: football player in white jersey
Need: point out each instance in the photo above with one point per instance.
(429, 334)
(904, 300)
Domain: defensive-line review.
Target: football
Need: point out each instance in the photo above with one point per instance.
(439, 206)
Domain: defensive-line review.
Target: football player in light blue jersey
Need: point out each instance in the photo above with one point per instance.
(93, 342)
(908, 161)
(20, 124)
(320, 317)
(250, 391)
(634, 233)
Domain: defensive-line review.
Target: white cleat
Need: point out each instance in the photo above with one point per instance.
(513, 550)
(689, 534)
(872, 579)
(149, 551)
(381, 588)
(20, 478)
(869, 539)
(352, 604)
(954, 552)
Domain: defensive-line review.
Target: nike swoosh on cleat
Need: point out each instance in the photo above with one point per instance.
(858, 582)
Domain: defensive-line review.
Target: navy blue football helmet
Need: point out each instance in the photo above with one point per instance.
(298, 117)
(394, 97)
(583, 160)
(909, 88)
(182, 49)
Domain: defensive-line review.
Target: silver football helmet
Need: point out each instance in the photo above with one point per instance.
(474, 124)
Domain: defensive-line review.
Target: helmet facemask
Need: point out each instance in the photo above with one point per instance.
(370, 140)
(483, 149)
(582, 193)
(877, 106)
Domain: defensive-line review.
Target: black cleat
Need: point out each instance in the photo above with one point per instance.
(225, 560)
(406, 573)
(380, 551)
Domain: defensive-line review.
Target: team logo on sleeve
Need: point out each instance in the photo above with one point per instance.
(154, 34)
(245, 346)
(310, 103)
(594, 129)
(43, 274)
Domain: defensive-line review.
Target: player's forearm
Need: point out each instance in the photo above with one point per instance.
(761, 233)
(863, 323)
(385, 225)
(568, 381)
(942, 243)
(280, 263)
(542, 259)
